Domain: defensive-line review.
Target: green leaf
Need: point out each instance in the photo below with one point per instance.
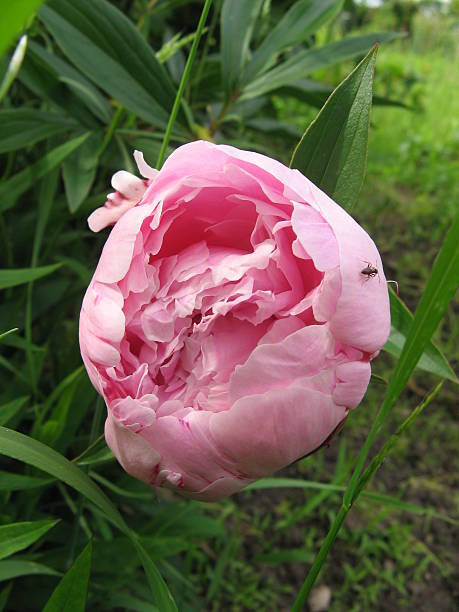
(298, 23)
(14, 66)
(23, 448)
(4, 595)
(9, 481)
(79, 171)
(11, 189)
(107, 47)
(14, 568)
(70, 594)
(40, 76)
(308, 61)
(163, 597)
(30, 451)
(77, 83)
(17, 536)
(23, 127)
(316, 94)
(237, 21)
(379, 498)
(333, 151)
(15, 16)
(9, 410)
(432, 360)
(19, 276)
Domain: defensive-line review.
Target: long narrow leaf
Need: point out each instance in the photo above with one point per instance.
(11, 189)
(30, 451)
(237, 22)
(306, 62)
(9, 410)
(104, 44)
(70, 593)
(12, 568)
(20, 276)
(299, 22)
(333, 151)
(17, 536)
(23, 127)
(432, 360)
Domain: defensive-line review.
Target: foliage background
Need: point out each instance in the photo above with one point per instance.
(250, 552)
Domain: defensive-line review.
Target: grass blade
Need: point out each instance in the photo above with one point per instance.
(11, 189)
(70, 594)
(17, 536)
(15, 567)
(23, 448)
(432, 360)
(20, 276)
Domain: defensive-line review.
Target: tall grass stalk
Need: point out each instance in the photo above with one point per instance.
(183, 82)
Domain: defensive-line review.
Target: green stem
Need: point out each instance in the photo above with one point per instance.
(439, 290)
(205, 52)
(369, 472)
(319, 561)
(183, 82)
(111, 129)
(362, 482)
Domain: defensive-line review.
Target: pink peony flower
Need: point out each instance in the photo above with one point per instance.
(228, 325)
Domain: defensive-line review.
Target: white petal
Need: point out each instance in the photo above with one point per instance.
(130, 186)
(144, 169)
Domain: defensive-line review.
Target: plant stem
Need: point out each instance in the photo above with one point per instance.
(440, 288)
(111, 129)
(345, 507)
(183, 82)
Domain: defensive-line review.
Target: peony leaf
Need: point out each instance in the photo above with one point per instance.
(23, 127)
(10, 409)
(23, 448)
(17, 536)
(432, 360)
(80, 86)
(107, 47)
(298, 23)
(332, 152)
(14, 18)
(15, 186)
(237, 21)
(70, 594)
(310, 60)
(20, 276)
(16, 567)
(11, 481)
(79, 170)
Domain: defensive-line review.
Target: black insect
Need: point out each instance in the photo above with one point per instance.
(369, 271)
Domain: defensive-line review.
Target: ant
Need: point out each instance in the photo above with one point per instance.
(370, 271)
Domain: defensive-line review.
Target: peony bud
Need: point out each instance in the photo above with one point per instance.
(228, 325)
